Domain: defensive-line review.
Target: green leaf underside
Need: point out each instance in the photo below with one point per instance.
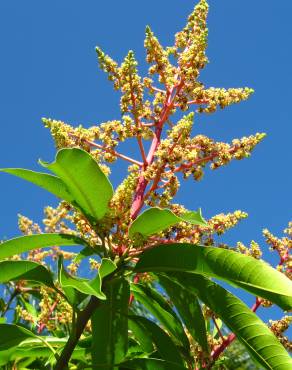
(162, 311)
(150, 364)
(189, 310)
(154, 220)
(110, 326)
(26, 243)
(46, 181)
(165, 346)
(24, 270)
(87, 184)
(258, 339)
(235, 268)
(11, 335)
(85, 286)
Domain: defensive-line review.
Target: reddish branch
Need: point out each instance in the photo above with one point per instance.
(143, 182)
(111, 151)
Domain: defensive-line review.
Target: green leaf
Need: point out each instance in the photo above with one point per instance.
(154, 220)
(11, 335)
(46, 181)
(194, 218)
(188, 308)
(165, 346)
(249, 329)
(87, 184)
(150, 364)
(34, 348)
(25, 270)
(162, 311)
(87, 252)
(110, 326)
(255, 276)
(106, 268)
(29, 242)
(85, 286)
(141, 334)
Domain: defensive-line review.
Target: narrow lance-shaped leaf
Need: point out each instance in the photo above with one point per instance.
(29, 242)
(46, 181)
(154, 220)
(141, 334)
(189, 309)
(12, 335)
(240, 270)
(24, 270)
(85, 181)
(110, 326)
(162, 311)
(165, 346)
(249, 329)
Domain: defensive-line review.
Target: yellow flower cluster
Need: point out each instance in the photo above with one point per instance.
(282, 246)
(216, 97)
(61, 314)
(27, 226)
(55, 219)
(219, 224)
(24, 314)
(253, 250)
(127, 80)
(193, 42)
(278, 327)
(157, 55)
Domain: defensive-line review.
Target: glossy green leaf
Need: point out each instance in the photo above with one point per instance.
(141, 334)
(24, 270)
(87, 252)
(249, 329)
(87, 184)
(189, 309)
(46, 181)
(110, 325)
(165, 346)
(194, 218)
(162, 311)
(85, 286)
(107, 266)
(29, 242)
(154, 220)
(11, 335)
(150, 364)
(255, 276)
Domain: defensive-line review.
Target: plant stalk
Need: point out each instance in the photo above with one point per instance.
(81, 321)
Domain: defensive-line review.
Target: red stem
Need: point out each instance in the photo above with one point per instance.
(143, 182)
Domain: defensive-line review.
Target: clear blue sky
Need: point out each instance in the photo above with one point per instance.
(49, 69)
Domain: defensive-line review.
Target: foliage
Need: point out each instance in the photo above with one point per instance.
(149, 299)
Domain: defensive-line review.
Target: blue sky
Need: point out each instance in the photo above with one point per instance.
(49, 69)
